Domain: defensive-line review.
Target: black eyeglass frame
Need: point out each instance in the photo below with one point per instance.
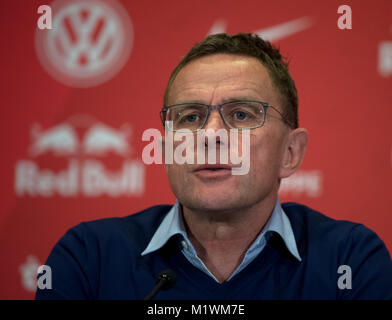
(218, 107)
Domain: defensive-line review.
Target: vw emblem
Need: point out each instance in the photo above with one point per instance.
(89, 43)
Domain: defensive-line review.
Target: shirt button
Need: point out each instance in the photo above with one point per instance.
(184, 244)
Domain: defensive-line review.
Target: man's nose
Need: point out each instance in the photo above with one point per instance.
(215, 121)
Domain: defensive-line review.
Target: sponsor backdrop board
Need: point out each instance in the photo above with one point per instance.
(76, 99)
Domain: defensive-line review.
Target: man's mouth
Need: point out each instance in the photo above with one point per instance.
(213, 171)
(212, 167)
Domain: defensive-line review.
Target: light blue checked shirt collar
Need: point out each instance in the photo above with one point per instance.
(173, 224)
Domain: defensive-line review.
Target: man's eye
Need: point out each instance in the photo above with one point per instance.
(240, 115)
(188, 117)
(191, 117)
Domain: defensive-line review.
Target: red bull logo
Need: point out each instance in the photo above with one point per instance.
(85, 174)
(62, 140)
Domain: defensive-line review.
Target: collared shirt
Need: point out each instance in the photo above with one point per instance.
(173, 224)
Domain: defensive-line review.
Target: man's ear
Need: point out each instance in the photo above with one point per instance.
(294, 152)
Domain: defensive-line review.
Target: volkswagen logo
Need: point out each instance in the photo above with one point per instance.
(89, 43)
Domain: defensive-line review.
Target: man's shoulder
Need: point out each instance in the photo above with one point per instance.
(314, 229)
(136, 229)
(147, 218)
(326, 244)
(306, 219)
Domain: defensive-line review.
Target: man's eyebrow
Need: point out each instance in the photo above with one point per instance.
(239, 98)
(190, 101)
(224, 100)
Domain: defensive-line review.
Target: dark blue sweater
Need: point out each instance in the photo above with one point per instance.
(101, 260)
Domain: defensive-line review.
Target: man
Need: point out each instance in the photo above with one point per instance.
(228, 236)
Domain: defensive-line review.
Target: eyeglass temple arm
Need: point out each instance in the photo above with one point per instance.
(281, 114)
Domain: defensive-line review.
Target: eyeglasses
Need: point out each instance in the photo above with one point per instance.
(235, 115)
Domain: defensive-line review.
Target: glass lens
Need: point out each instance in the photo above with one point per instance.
(243, 114)
(188, 116)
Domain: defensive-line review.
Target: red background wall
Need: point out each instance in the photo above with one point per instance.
(343, 78)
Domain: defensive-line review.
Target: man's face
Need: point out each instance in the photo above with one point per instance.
(214, 80)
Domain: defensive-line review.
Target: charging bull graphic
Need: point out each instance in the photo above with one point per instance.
(101, 139)
(61, 140)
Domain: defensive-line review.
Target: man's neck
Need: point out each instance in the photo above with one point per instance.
(222, 240)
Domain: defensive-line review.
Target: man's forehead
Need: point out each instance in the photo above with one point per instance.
(234, 75)
(223, 64)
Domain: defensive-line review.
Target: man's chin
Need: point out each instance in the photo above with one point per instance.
(212, 204)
